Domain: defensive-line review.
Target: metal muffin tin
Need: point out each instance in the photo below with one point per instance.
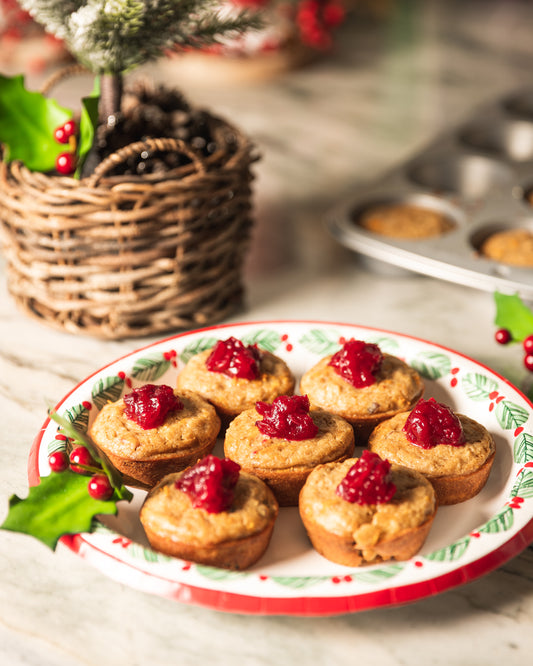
(479, 174)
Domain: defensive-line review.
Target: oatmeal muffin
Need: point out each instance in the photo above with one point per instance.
(454, 452)
(146, 435)
(407, 221)
(364, 511)
(362, 385)
(234, 376)
(228, 525)
(268, 442)
(512, 246)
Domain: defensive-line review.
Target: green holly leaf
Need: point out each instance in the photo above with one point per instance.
(88, 125)
(59, 505)
(27, 124)
(514, 315)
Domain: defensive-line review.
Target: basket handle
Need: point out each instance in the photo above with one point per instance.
(160, 144)
(64, 73)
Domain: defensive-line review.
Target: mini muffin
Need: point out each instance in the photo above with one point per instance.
(404, 220)
(227, 525)
(512, 246)
(454, 452)
(362, 385)
(234, 376)
(364, 511)
(146, 435)
(283, 441)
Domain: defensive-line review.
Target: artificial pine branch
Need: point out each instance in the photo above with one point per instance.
(111, 37)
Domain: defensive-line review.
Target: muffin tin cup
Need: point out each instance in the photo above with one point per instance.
(479, 175)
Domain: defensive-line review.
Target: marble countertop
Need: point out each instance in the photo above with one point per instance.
(394, 81)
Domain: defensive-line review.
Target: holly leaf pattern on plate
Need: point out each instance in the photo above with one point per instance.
(432, 365)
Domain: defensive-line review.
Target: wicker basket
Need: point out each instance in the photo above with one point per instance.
(123, 256)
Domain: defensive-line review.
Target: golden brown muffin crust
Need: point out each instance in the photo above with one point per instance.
(389, 441)
(397, 388)
(244, 443)
(169, 512)
(183, 430)
(353, 534)
(232, 395)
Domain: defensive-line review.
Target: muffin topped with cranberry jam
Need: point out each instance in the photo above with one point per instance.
(363, 385)
(234, 376)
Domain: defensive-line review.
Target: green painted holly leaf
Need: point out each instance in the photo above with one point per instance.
(196, 347)
(478, 387)
(450, 553)
(27, 124)
(320, 342)
(150, 367)
(59, 505)
(514, 315)
(432, 365)
(510, 415)
(299, 582)
(268, 340)
(106, 390)
(523, 448)
(78, 415)
(387, 345)
(523, 486)
(379, 575)
(502, 522)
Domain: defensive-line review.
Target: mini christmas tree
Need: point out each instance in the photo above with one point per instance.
(112, 38)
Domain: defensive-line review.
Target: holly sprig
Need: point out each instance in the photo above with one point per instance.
(65, 502)
(514, 322)
(29, 121)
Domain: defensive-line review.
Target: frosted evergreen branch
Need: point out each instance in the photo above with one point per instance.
(114, 36)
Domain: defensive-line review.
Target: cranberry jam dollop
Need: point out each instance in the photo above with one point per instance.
(233, 358)
(367, 481)
(287, 417)
(210, 483)
(150, 404)
(357, 362)
(431, 423)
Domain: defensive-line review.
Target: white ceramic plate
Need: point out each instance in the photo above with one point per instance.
(466, 540)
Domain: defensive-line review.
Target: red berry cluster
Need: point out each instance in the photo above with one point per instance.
(66, 133)
(504, 337)
(316, 19)
(80, 461)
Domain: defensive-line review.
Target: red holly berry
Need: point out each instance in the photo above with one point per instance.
(63, 133)
(100, 488)
(80, 456)
(528, 362)
(58, 461)
(66, 163)
(502, 336)
(528, 344)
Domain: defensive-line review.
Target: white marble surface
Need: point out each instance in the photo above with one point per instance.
(390, 87)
